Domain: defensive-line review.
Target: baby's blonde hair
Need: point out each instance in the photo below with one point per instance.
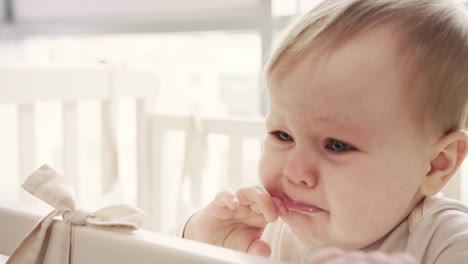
(433, 38)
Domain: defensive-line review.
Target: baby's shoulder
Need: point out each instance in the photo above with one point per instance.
(444, 211)
(440, 214)
(439, 231)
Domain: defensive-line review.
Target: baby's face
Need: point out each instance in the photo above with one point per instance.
(343, 150)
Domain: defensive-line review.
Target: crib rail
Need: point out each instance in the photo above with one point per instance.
(196, 131)
(24, 86)
(107, 245)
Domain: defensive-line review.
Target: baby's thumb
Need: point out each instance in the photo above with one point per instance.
(259, 248)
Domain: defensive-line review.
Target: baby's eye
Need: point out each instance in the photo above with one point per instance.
(338, 146)
(282, 136)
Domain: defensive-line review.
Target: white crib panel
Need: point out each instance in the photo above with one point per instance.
(25, 85)
(160, 125)
(26, 142)
(60, 83)
(16, 219)
(169, 122)
(108, 245)
(196, 131)
(156, 180)
(196, 146)
(135, 83)
(70, 144)
(109, 146)
(235, 162)
(29, 84)
(143, 162)
(149, 192)
(196, 183)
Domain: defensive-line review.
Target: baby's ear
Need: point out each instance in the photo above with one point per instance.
(449, 153)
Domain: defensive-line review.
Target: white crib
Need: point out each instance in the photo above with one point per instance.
(94, 245)
(107, 84)
(196, 132)
(25, 86)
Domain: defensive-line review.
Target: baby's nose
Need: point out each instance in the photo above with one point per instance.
(300, 170)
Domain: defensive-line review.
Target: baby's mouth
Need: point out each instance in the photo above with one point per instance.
(300, 207)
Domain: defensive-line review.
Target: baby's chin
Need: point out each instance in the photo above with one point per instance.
(321, 235)
(311, 233)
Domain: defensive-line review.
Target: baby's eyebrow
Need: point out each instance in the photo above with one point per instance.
(345, 129)
(335, 126)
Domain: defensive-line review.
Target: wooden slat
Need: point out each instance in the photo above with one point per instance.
(236, 130)
(156, 179)
(152, 131)
(143, 160)
(27, 142)
(167, 122)
(58, 84)
(70, 145)
(135, 83)
(31, 84)
(235, 162)
(196, 186)
(110, 172)
(197, 156)
(113, 245)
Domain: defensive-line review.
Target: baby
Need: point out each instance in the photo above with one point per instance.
(368, 102)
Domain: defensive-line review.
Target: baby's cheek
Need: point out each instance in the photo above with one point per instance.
(269, 166)
(270, 177)
(353, 228)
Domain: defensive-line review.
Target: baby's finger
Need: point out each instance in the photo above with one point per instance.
(259, 248)
(226, 199)
(260, 202)
(224, 206)
(279, 205)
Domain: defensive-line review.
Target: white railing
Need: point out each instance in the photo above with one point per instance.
(196, 149)
(173, 174)
(25, 86)
(98, 245)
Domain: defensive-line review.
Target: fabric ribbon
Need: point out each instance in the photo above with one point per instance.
(50, 187)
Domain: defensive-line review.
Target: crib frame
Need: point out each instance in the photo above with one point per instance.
(108, 83)
(100, 245)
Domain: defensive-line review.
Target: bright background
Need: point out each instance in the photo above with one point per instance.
(208, 55)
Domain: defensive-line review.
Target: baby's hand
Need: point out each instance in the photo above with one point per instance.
(338, 256)
(236, 221)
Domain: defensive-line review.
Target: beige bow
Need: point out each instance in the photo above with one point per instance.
(50, 187)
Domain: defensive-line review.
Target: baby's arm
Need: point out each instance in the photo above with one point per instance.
(236, 221)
